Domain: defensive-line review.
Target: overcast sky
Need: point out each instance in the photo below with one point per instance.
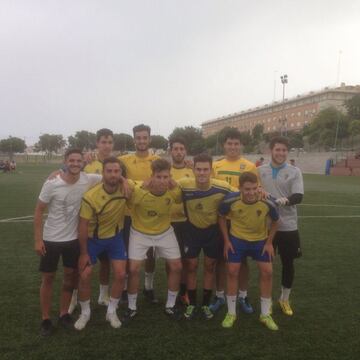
(87, 64)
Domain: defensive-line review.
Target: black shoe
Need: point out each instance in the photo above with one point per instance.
(124, 297)
(150, 296)
(174, 313)
(46, 328)
(66, 321)
(128, 316)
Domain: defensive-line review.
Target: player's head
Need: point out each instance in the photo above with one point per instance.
(232, 143)
(104, 142)
(248, 185)
(160, 175)
(177, 150)
(112, 171)
(279, 147)
(142, 137)
(202, 168)
(73, 161)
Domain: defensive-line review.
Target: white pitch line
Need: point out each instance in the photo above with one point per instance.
(330, 205)
(17, 218)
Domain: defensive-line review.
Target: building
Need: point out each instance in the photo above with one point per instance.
(292, 114)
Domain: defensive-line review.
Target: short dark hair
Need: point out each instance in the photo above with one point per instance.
(279, 140)
(72, 151)
(248, 176)
(204, 157)
(111, 160)
(103, 132)
(160, 165)
(232, 133)
(141, 127)
(178, 140)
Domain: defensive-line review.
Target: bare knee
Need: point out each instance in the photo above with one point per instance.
(47, 279)
(175, 266)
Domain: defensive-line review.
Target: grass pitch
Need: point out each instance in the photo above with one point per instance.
(325, 296)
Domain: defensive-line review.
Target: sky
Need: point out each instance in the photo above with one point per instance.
(77, 65)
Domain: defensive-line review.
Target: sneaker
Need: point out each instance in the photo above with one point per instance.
(103, 299)
(268, 321)
(185, 299)
(229, 320)
(190, 312)
(73, 303)
(128, 316)
(245, 305)
(173, 312)
(65, 321)
(286, 308)
(113, 319)
(217, 304)
(150, 296)
(124, 297)
(206, 312)
(46, 328)
(81, 322)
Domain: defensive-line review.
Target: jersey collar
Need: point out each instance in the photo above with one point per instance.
(275, 170)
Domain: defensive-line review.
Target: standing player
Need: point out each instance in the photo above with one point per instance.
(138, 168)
(202, 196)
(249, 236)
(180, 170)
(101, 230)
(150, 209)
(230, 169)
(284, 182)
(62, 196)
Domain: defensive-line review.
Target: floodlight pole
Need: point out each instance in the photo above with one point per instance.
(283, 120)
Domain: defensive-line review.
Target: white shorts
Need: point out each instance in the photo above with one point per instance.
(165, 244)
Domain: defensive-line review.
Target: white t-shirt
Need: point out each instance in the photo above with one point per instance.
(64, 201)
(283, 182)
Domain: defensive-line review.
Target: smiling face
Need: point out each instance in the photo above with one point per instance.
(279, 154)
(232, 148)
(249, 192)
(178, 153)
(142, 140)
(160, 181)
(74, 163)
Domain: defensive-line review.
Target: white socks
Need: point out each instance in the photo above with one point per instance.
(265, 306)
(85, 307)
(171, 299)
(132, 301)
(104, 291)
(231, 304)
(149, 281)
(220, 294)
(242, 294)
(285, 293)
(113, 304)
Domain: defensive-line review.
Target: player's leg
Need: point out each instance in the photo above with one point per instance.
(149, 276)
(191, 274)
(243, 287)
(220, 274)
(127, 227)
(104, 278)
(208, 281)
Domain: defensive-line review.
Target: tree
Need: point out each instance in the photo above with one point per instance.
(354, 128)
(83, 140)
(327, 137)
(50, 143)
(195, 142)
(257, 133)
(296, 140)
(352, 106)
(123, 142)
(158, 142)
(12, 145)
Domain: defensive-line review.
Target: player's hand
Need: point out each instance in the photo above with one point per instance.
(189, 163)
(126, 188)
(147, 184)
(263, 195)
(40, 248)
(84, 262)
(89, 157)
(172, 184)
(269, 248)
(283, 201)
(228, 247)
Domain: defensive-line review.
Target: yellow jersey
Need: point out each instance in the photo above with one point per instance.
(95, 167)
(248, 221)
(230, 171)
(177, 210)
(138, 168)
(201, 206)
(150, 214)
(104, 211)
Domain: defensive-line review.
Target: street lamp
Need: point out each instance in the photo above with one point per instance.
(284, 81)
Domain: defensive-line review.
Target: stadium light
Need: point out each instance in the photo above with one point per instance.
(283, 120)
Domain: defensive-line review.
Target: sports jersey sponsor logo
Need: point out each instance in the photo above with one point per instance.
(258, 212)
(152, 213)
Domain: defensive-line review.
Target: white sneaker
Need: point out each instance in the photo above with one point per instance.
(104, 299)
(113, 320)
(81, 322)
(73, 303)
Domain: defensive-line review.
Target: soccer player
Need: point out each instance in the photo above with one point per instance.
(249, 236)
(284, 182)
(101, 230)
(104, 146)
(150, 209)
(179, 170)
(138, 168)
(230, 169)
(202, 196)
(62, 197)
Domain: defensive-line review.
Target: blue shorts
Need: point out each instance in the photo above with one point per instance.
(114, 247)
(244, 248)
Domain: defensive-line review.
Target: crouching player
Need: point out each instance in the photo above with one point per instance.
(101, 230)
(249, 236)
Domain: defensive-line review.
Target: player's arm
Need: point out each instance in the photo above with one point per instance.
(84, 259)
(38, 228)
(274, 216)
(225, 235)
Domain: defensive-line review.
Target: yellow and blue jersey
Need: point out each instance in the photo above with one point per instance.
(138, 168)
(248, 221)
